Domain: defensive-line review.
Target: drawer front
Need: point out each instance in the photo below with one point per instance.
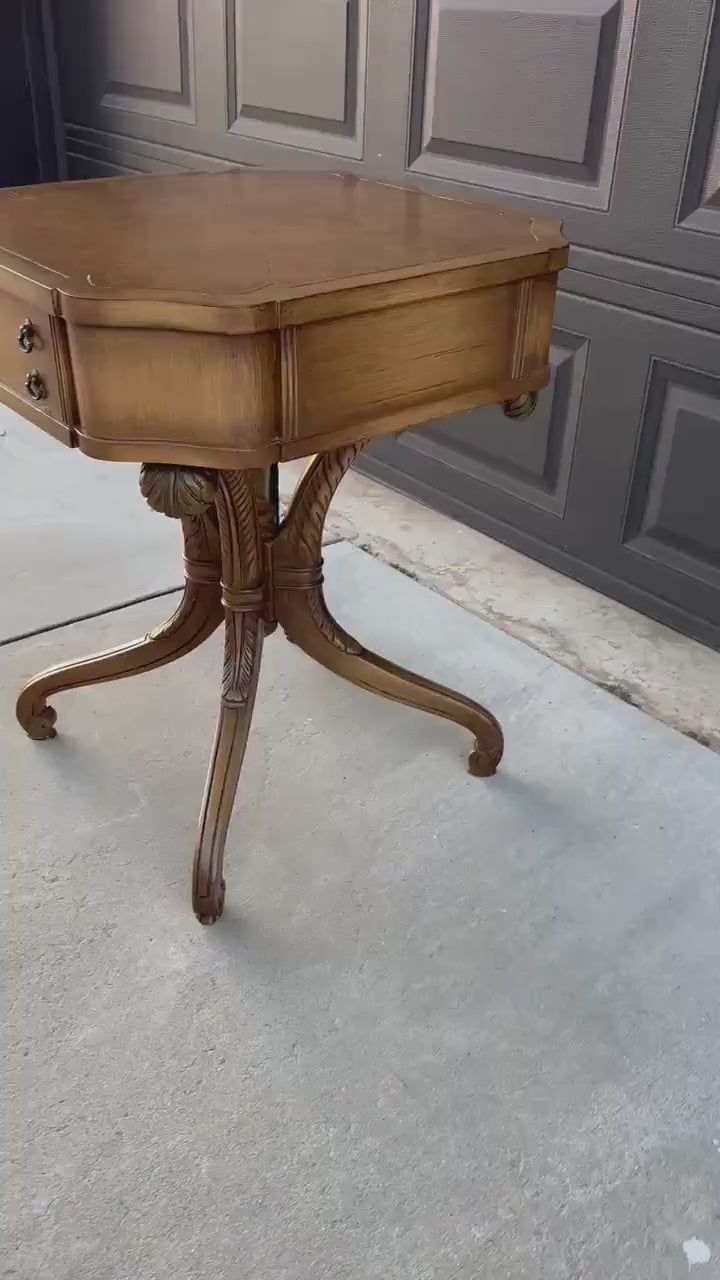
(367, 374)
(149, 395)
(30, 353)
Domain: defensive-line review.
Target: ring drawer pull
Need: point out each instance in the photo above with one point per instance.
(26, 336)
(35, 386)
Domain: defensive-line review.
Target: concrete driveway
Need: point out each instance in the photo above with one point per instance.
(446, 1029)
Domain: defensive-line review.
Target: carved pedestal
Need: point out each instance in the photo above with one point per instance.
(246, 566)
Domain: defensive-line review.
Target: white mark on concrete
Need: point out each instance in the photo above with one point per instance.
(716, 1142)
(696, 1252)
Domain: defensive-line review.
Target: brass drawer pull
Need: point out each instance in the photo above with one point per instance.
(26, 336)
(35, 386)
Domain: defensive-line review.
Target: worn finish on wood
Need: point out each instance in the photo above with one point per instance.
(368, 367)
(247, 240)
(314, 304)
(134, 387)
(210, 326)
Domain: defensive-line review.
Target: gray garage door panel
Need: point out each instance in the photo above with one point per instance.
(518, 471)
(616, 473)
(604, 110)
(605, 113)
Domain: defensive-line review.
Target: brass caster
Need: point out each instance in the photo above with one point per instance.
(521, 406)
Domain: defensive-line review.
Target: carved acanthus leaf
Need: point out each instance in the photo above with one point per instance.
(177, 491)
(306, 518)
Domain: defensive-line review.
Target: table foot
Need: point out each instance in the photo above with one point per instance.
(38, 719)
(484, 764)
(197, 616)
(309, 624)
(242, 666)
(242, 592)
(302, 612)
(209, 910)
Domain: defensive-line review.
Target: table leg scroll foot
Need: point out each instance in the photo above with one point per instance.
(242, 666)
(37, 718)
(484, 764)
(197, 616)
(242, 593)
(301, 610)
(208, 910)
(309, 624)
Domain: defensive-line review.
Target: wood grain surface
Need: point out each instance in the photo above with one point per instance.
(250, 238)
(212, 325)
(239, 319)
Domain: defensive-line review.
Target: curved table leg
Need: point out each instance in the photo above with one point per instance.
(197, 616)
(243, 598)
(302, 612)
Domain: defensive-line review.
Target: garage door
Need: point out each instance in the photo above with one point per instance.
(602, 112)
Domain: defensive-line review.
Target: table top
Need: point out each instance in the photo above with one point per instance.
(241, 318)
(249, 237)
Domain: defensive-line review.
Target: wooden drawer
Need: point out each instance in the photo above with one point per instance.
(33, 358)
(161, 395)
(248, 400)
(366, 374)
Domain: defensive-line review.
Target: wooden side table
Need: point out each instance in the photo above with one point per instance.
(210, 326)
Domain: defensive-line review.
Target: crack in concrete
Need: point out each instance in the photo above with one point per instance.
(85, 617)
